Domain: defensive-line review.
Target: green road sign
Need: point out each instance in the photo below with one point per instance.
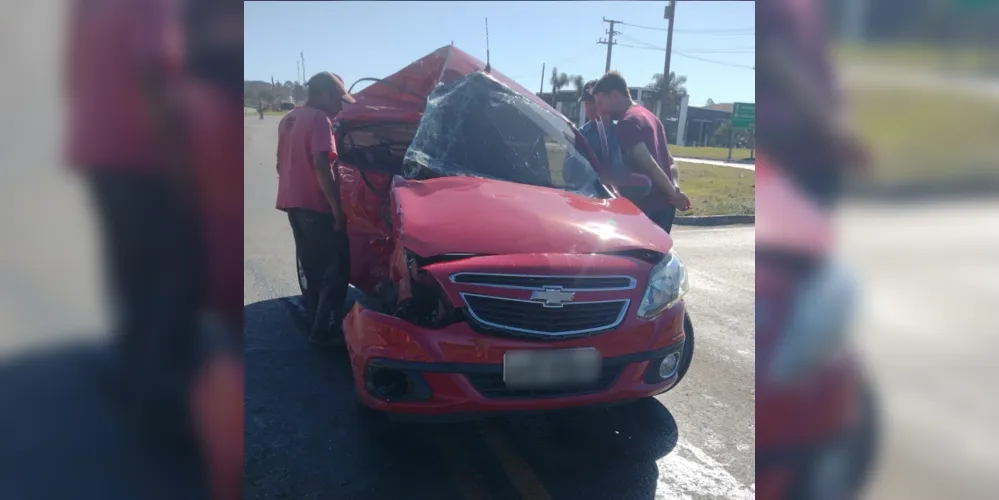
(744, 115)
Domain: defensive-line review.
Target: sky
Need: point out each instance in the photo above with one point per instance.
(713, 42)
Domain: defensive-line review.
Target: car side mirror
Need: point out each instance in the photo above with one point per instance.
(634, 186)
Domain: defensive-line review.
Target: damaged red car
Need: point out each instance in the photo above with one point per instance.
(503, 269)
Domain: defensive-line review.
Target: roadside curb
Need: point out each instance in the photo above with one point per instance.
(922, 191)
(745, 161)
(714, 220)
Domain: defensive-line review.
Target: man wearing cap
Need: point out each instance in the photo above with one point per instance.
(308, 190)
(599, 130)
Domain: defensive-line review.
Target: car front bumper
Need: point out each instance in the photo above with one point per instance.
(454, 372)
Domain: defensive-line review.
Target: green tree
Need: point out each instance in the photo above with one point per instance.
(578, 82)
(558, 81)
(676, 91)
(710, 102)
(298, 93)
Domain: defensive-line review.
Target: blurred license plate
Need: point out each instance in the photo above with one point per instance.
(551, 368)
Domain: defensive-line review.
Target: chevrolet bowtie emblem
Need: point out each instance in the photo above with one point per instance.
(552, 296)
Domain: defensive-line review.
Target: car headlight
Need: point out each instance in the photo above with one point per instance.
(667, 286)
(818, 325)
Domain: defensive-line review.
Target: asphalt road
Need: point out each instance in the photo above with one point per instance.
(305, 439)
(927, 328)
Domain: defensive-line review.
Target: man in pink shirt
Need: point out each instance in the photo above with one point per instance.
(308, 190)
(124, 64)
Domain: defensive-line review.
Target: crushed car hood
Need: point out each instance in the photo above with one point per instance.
(468, 215)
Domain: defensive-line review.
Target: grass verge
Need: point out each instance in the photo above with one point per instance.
(720, 154)
(918, 56)
(926, 135)
(717, 190)
(253, 112)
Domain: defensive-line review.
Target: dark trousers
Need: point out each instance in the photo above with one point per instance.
(325, 256)
(153, 265)
(663, 217)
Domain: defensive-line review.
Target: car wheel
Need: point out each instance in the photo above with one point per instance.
(688, 346)
(843, 469)
(866, 440)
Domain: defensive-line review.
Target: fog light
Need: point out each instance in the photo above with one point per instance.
(389, 384)
(669, 365)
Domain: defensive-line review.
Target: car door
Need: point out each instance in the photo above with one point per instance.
(364, 194)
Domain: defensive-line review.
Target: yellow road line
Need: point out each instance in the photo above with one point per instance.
(466, 479)
(517, 469)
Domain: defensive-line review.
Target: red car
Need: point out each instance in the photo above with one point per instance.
(501, 273)
(816, 424)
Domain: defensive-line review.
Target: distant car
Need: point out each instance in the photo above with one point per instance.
(287, 106)
(501, 273)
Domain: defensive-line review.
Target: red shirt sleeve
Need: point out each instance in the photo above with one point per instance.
(322, 136)
(629, 134)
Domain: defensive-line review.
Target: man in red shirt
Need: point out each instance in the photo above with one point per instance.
(124, 63)
(642, 139)
(308, 190)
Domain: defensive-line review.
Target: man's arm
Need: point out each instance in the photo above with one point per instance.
(324, 173)
(324, 156)
(277, 160)
(642, 158)
(156, 50)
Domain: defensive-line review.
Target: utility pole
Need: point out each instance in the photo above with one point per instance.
(542, 87)
(670, 15)
(609, 42)
(298, 72)
(303, 65)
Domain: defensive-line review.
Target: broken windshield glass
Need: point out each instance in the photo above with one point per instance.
(476, 126)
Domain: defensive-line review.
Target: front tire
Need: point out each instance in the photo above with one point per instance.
(688, 347)
(867, 438)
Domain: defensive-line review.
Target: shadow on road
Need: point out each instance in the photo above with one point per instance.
(306, 437)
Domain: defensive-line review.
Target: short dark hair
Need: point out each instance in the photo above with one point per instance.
(610, 82)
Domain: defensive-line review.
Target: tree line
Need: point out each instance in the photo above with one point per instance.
(677, 88)
(256, 91)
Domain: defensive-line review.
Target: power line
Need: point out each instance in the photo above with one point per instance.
(744, 50)
(722, 51)
(687, 55)
(728, 31)
(626, 37)
(715, 62)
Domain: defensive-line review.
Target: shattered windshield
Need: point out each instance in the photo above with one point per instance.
(478, 127)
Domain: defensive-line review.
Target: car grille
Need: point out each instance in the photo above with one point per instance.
(491, 385)
(570, 283)
(531, 317)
